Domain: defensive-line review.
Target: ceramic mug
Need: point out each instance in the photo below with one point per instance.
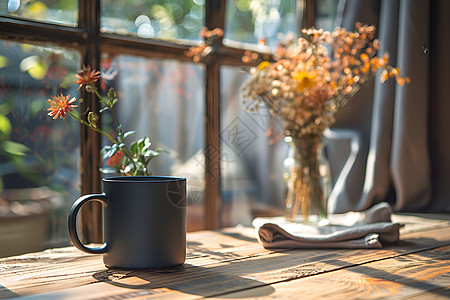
(144, 222)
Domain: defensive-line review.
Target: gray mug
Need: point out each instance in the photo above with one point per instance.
(144, 222)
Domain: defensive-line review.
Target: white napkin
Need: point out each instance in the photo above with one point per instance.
(368, 229)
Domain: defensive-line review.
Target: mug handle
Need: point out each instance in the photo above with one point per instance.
(72, 223)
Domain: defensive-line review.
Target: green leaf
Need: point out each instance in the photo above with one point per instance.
(14, 148)
(5, 125)
(134, 148)
(150, 153)
(147, 144)
(128, 169)
(6, 107)
(103, 109)
(144, 144)
(108, 170)
(125, 160)
(75, 113)
(162, 150)
(109, 151)
(102, 101)
(128, 133)
(4, 61)
(139, 145)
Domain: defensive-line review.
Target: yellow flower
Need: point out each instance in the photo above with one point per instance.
(306, 80)
(263, 65)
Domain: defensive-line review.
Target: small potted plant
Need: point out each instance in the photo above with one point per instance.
(144, 216)
(122, 157)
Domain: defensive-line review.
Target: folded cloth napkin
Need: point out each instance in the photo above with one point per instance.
(368, 229)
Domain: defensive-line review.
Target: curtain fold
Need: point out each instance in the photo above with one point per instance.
(404, 136)
(410, 164)
(439, 99)
(377, 175)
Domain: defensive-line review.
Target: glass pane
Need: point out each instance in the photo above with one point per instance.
(39, 186)
(52, 11)
(326, 13)
(249, 21)
(164, 100)
(253, 151)
(161, 19)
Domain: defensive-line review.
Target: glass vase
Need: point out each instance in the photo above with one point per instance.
(308, 181)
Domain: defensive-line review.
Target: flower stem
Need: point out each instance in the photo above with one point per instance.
(109, 137)
(308, 194)
(120, 139)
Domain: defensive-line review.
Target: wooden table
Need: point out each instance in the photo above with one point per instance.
(231, 264)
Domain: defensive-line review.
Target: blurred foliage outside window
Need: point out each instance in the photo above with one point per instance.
(160, 19)
(38, 156)
(64, 12)
(248, 21)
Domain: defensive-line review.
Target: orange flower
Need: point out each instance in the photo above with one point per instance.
(364, 57)
(115, 160)
(60, 105)
(400, 81)
(384, 76)
(87, 77)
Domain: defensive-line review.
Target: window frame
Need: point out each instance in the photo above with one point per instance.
(91, 42)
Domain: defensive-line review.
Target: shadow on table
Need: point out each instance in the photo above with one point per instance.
(424, 269)
(218, 272)
(189, 279)
(221, 272)
(6, 293)
(216, 278)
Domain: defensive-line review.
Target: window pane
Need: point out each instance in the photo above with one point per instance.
(251, 162)
(249, 21)
(159, 19)
(51, 11)
(39, 186)
(326, 12)
(164, 100)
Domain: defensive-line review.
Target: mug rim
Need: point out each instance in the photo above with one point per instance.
(155, 179)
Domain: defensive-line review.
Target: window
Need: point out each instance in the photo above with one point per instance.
(50, 11)
(191, 109)
(161, 99)
(166, 20)
(38, 157)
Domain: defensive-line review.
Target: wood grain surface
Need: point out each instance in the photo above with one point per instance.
(231, 264)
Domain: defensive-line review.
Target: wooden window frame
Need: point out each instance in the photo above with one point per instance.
(88, 39)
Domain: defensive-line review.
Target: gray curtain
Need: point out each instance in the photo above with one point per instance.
(403, 133)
